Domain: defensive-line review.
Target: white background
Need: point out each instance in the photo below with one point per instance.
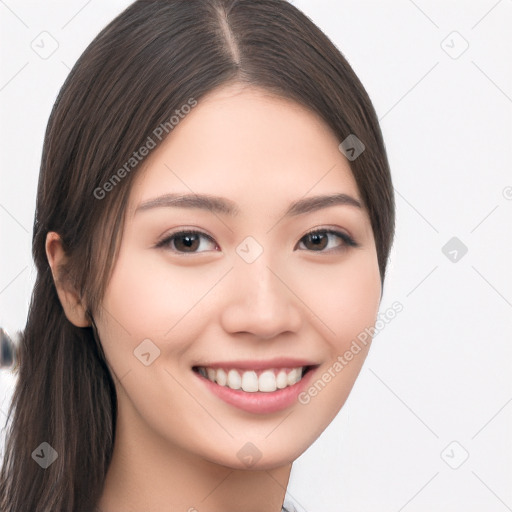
(441, 370)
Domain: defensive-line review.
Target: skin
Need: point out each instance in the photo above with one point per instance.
(176, 442)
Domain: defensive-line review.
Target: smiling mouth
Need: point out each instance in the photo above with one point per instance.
(252, 381)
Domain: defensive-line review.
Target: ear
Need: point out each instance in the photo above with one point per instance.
(71, 302)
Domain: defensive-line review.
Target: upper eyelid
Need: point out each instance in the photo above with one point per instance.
(334, 230)
(327, 229)
(181, 231)
(348, 239)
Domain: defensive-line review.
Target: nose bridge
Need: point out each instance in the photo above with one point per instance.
(252, 267)
(260, 285)
(260, 302)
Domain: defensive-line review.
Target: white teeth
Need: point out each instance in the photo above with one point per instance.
(234, 380)
(294, 376)
(282, 380)
(249, 381)
(268, 381)
(221, 377)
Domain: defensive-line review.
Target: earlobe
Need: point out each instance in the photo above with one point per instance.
(71, 302)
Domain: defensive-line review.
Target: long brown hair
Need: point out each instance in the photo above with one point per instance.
(146, 64)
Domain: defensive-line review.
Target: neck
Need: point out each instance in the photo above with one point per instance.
(147, 474)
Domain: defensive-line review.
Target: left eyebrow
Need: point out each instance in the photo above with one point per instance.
(311, 204)
(222, 205)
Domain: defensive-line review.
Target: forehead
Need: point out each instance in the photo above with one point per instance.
(244, 143)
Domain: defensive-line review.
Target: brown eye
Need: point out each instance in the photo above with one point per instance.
(319, 240)
(188, 242)
(316, 241)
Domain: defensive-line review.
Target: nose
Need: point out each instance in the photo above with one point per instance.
(260, 302)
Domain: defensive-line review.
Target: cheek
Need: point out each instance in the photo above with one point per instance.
(149, 296)
(345, 301)
(344, 298)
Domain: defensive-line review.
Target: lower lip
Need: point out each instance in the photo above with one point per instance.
(259, 402)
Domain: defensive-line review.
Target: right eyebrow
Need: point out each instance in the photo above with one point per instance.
(203, 201)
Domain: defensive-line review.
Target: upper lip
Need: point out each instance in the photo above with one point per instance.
(246, 364)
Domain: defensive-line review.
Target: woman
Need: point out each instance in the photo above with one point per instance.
(214, 217)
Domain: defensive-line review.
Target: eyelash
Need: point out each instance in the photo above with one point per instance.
(347, 241)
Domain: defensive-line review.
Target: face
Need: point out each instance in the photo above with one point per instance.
(234, 271)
